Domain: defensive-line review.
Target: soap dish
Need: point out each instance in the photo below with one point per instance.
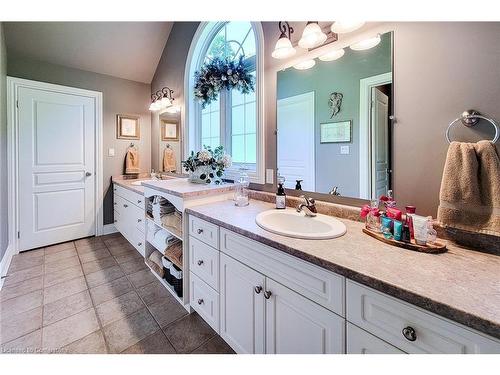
(434, 248)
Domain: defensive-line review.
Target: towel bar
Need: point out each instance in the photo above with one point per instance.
(471, 118)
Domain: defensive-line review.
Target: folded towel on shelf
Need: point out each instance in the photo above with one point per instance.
(154, 261)
(169, 160)
(173, 220)
(469, 198)
(160, 239)
(132, 161)
(174, 253)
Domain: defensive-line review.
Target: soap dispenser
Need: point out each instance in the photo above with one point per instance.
(280, 194)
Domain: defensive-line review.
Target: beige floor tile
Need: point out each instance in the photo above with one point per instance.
(83, 249)
(20, 262)
(20, 304)
(115, 241)
(94, 255)
(141, 278)
(27, 344)
(21, 288)
(20, 276)
(61, 264)
(88, 241)
(97, 265)
(62, 276)
(65, 289)
(68, 330)
(67, 306)
(59, 247)
(50, 258)
(128, 257)
(121, 249)
(188, 333)
(128, 331)
(103, 276)
(133, 266)
(35, 253)
(167, 311)
(119, 307)
(110, 290)
(90, 344)
(215, 345)
(157, 343)
(111, 235)
(153, 293)
(20, 325)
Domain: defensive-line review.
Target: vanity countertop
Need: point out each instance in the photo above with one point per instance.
(461, 284)
(181, 187)
(127, 184)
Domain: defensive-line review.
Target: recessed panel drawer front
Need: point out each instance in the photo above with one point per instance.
(204, 262)
(118, 203)
(204, 231)
(410, 328)
(323, 287)
(361, 342)
(204, 300)
(139, 241)
(133, 197)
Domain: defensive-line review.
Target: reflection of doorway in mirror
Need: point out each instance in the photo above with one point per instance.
(380, 142)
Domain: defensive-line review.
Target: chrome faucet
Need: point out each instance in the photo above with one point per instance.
(309, 206)
(335, 191)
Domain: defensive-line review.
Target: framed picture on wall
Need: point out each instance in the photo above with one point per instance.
(169, 130)
(128, 127)
(336, 132)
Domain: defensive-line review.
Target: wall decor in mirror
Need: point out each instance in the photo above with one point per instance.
(334, 123)
(169, 142)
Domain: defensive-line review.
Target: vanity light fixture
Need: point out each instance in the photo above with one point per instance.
(304, 65)
(312, 36)
(332, 55)
(343, 27)
(366, 44)
(161, 99)
(284, 48)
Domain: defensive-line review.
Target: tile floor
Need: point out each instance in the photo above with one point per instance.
(95, 295)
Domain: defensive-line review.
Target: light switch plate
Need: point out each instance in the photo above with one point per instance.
(344, 150)
(269, 176)
(111, 152)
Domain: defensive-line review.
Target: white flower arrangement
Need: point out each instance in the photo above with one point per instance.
(207, 166)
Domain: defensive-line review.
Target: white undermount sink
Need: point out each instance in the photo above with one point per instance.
(139, 183)
(295, 224)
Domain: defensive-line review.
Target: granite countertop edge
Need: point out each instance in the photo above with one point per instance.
(198, 193)
(127, 184)
(467, 319)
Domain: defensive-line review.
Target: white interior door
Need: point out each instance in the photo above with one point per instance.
(296, 159)
(380, 143)
(56, 167)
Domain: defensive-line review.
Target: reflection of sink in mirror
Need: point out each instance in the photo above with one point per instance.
(295, 224)
(139, 183)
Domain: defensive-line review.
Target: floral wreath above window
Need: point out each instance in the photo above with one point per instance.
(219, 74)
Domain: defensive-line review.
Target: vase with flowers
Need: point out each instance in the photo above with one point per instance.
(207, 166)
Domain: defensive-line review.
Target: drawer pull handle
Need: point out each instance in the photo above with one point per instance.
(267, 294)
(258, 289)
(125, 205)
(409, 333)
(200, 231)
(139, 244)
(200, 301)
(200, 262)
(139, 220)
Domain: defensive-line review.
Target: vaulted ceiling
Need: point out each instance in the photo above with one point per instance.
(129, 50)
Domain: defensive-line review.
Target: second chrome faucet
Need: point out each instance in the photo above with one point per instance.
(308, 206)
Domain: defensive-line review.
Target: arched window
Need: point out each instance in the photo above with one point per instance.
(234, 120)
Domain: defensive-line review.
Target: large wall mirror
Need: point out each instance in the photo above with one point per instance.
(170, 142)
(334, 123)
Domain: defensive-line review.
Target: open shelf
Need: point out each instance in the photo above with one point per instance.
(170, 230)
(167, 286)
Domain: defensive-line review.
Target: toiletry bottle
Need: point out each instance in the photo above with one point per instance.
(280, 194)
(241, 198)
(373, 217)
(298, 186)
(410, 210)
(391, 210)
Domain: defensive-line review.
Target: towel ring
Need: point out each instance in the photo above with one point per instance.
(471, 118)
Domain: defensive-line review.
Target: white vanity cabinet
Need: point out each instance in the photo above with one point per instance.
(129, 216)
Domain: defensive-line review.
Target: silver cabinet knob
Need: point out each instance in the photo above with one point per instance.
(139, 220)
(200, 231)
(267, 294)
(139, 244)
(200, 301)
(88, 174)
(409, 333)
(116, 221)
(125, 205)
(258, 289)
(139, 201)
(200, 262)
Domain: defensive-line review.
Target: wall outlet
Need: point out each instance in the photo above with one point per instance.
(344, 150)
(269, 176)
(111, 152)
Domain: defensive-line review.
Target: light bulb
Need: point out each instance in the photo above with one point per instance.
(283, 49)
(332, 55)
(366, 44)
(342, 27)
(312, 36)
(303, 65)
(152, 106)
(165, 102)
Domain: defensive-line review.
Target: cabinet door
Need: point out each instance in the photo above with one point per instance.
(295, 324)
(241, 306)
(361, 342)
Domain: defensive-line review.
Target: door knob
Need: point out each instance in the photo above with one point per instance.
(88, 174)
(267, 294)
(409, 333)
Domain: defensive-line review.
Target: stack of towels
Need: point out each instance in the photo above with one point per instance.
(161, 207)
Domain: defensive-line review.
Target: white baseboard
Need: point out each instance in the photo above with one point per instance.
(5, 263)
(108, 229)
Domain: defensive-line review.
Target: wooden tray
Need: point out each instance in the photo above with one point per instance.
(435, 248)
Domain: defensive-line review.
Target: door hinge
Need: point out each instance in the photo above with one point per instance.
(18, 234)
(17, 103)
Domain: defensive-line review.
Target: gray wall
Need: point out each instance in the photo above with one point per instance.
(3, 146)
(343, 75)
(120, 96)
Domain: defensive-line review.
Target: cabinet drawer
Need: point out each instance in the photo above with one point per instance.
(204, 262)
(133, 197)
(323, 287)
(117, 220)
(139, 241)
(204, 231)
(118, 203)
(361, 342)
(386, 317)
(204, 300)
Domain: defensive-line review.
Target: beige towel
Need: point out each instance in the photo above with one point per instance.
(154, 261)
(470, 189)
(169, 160)
(132, 161)
(174, 253)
